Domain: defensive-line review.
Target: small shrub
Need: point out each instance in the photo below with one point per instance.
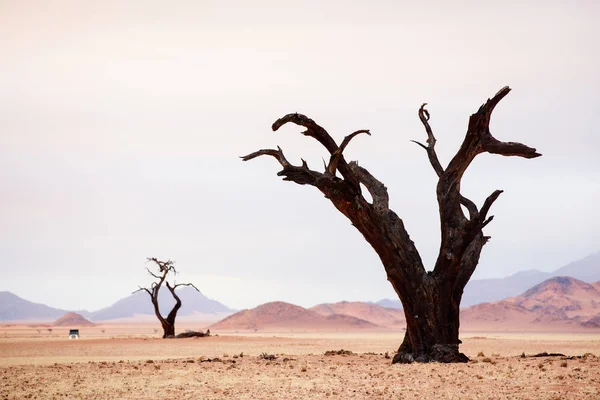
(340, 352)
(563, 364)
(487, 360)
(480, 354)
(267, 356)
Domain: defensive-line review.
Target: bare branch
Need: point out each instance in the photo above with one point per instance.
(494, 146)
(142, 289)
(185, 284)
(312, 129)
(430, 148)
(487, 221)
(424, 116)
(335, 157)
(488, 203)
(153, 274)
(278, 154)
(489, 105)
(420, 144)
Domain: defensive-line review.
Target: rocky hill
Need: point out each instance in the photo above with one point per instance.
(366, 311)
(73, 320)
(559, 302)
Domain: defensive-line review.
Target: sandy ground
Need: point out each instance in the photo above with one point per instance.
(122, 363)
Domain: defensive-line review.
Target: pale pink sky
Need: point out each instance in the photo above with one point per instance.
(122, 123)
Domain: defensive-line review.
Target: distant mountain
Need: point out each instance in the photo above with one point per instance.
(387, 303)
(15, 308)
(139, 303)
(73, 320)
(366, 311)
(488, 290)
(280, 315)
(586, 269)
(557, 301)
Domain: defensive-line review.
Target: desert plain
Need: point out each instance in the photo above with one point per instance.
(131, 361)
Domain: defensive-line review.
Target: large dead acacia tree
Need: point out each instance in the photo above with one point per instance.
(431, 300)
(164, 268)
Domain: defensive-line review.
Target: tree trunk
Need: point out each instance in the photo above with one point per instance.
(432, 325)
(168, 329)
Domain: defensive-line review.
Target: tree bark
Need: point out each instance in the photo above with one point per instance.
(431, 300)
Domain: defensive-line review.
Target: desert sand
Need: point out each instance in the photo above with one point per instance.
(132, 362)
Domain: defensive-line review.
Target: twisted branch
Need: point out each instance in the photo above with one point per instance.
(433, 158)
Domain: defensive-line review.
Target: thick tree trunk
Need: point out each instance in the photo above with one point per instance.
(432, 325)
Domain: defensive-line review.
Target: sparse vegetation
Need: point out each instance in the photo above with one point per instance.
(267, 356)
(340, 352)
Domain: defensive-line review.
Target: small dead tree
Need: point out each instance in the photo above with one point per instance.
(164, 268)
(431, 300)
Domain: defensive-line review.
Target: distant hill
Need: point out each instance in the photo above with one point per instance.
(15, 308)
(73, 320)
(387, 303)
(139, 303)
(488, 290)
(280, 315)
(586, 269)
(558, 301)
(366, 311)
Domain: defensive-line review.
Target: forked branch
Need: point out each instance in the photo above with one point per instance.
(335, 157)
(317, 132)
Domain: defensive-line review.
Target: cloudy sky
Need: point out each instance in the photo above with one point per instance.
(121, 127)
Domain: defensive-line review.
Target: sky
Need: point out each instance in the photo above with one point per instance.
(122, 123)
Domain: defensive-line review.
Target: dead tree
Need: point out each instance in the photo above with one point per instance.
(431, 300)
(164, 268)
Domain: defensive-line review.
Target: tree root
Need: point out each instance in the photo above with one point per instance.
(443, 353)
